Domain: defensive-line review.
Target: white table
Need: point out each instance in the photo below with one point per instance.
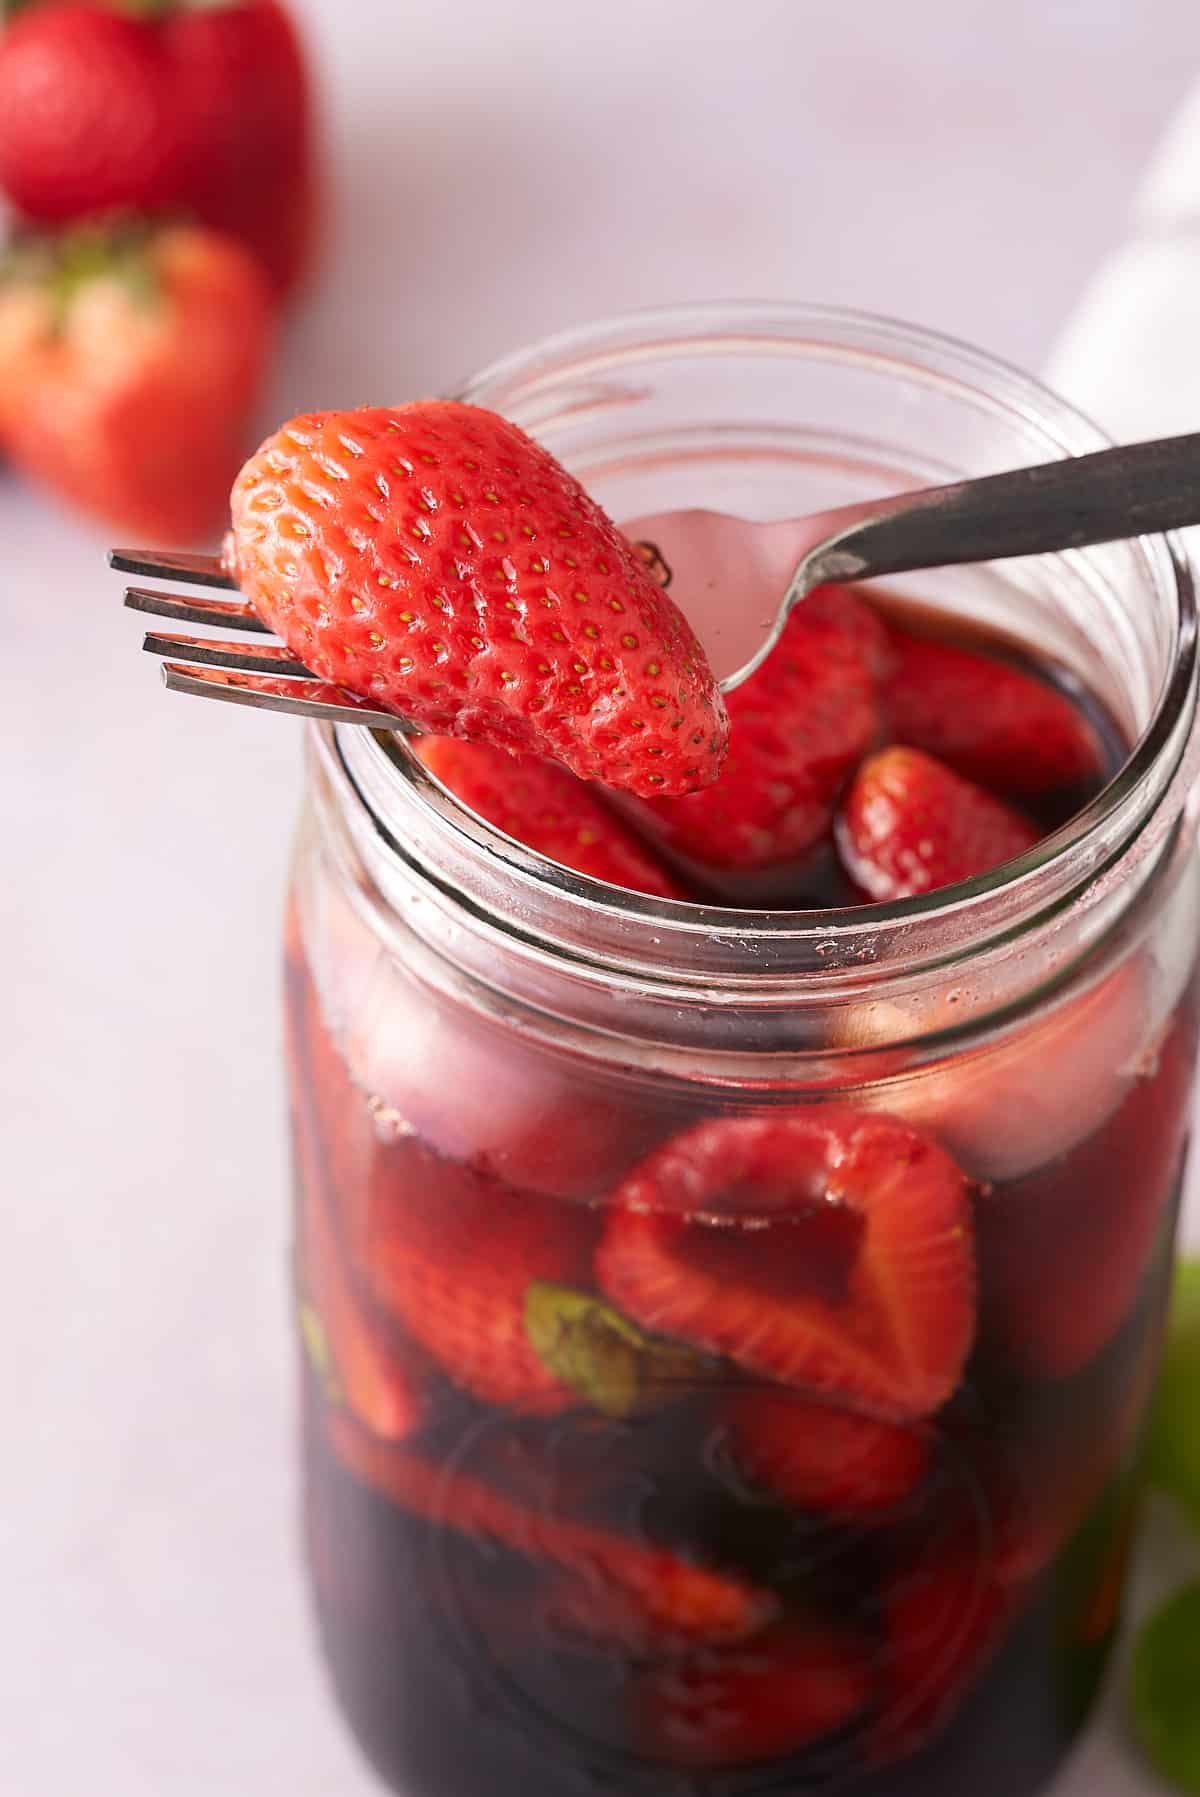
(522, 168)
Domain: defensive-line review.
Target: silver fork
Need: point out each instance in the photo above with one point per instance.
(1135, 490)
(264, 674)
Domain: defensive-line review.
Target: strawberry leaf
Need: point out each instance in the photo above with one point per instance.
(607, 1359)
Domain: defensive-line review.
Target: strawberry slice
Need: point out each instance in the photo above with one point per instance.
(391, 1056)
(797, 729)
(437, 561)
(547, 809)
(793, 1686)
(909, 825)
(945, 1615)
(451, 1254)
(822, 1457)
(644, 1593)
(987, 720)
(829, 1249)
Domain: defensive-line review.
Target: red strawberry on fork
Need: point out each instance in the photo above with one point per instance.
(435, 560)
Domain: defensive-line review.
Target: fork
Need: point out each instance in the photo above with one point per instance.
(1135, 490)
(265, 675)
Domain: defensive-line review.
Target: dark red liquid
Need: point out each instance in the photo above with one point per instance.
(492, 1572)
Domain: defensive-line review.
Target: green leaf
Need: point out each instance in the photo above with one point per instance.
(604, 1357)
(1164, 1689)
(1173, 1454)
(66, 263)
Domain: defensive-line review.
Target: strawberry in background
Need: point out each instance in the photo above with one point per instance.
(201, 108)
(130, 362)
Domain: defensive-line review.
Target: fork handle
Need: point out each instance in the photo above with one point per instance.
(1134, 490)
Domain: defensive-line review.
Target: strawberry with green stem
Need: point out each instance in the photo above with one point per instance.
(130, 362)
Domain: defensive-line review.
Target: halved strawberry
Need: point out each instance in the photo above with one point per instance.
(547, 809)
(452, 1254)
(792, 1686)
(397, 1057)
(909, 825)
(1063, 1251)
(989, 721)
(797, 728)
(645, 1594)
(944, 1617)
(827, 1248)
(435, 560)
(821, 1456)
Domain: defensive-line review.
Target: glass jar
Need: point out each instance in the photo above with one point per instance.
(616, 1478)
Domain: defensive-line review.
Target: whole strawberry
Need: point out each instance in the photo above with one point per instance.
(129, 364)
(434, 559)
(145, 106)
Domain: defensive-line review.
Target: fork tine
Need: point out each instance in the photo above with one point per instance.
(307, 699)
(226, 614)
(170, 564)
(254, 658)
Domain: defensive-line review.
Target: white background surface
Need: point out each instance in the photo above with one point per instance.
(500, 171)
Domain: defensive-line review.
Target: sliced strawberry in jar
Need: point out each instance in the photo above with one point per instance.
(830, 1249)
(987, 720)
(910, 825)
(797, 728)
(798, 1683)
(945, 1615)
(452, 1254)
(474, 1088)
(647, 1596)
(821, 1456)
(547, 809)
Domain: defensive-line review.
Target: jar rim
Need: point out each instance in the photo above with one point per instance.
(378, 764)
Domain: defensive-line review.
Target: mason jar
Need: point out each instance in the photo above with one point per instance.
(616, 1477)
